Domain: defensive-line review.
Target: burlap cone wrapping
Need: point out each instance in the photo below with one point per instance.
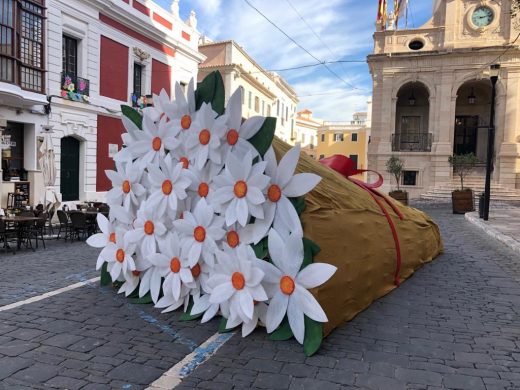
(355, 236)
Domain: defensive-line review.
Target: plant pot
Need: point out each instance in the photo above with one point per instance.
(462, 201)
(401, 196)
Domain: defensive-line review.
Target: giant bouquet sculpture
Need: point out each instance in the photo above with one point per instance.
(203, 218)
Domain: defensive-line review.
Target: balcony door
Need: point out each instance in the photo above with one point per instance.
(410, 132)
(466, 134)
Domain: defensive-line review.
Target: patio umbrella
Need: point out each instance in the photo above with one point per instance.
(50, 198)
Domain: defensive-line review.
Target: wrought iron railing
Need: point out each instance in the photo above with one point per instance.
(74, 87)
(412, 142)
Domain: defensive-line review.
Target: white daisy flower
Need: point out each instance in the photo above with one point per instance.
(169, 184)
(240, 189)
(148, 229)
(169, 264)
(290, 293)
(201, 185)
(237, 280)
(183, 117)
(118, 255)
(202, 229)
(169, 303)
(152, 141)
(132, 278)
(237, 133)
(126, 187)
(204, 136)
(259, 316)
(284, 184)
(236, 235)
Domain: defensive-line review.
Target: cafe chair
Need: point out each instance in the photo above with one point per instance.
(80, 227)
(37, 229)
(8, 236)
(65, 225)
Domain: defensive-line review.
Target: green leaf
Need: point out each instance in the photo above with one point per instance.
(310, 249)
(211, 90)
(299, 204)
(261, 249)
(133, 115)
(264, 137)
(106, 279)
(144, 300)
(186, 316)
(222, 326)
(313, 336)
(283, 332)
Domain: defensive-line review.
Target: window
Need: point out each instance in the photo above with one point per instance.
(354, 157)
(322, 156)
(268, 110)
(410, 178)
(21, 43)
(338, 137)
(303, 139)
(278, 108)
(287, 113)
(323, 138)
(243, 94)
(250, 100)
(312, 141)
(257, 104)
(12, 157)
(69, 56)
(354, 137)
(263, 107)
(138, 80)
(283, 110)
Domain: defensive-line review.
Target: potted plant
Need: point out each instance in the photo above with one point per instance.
(395, 166)
(463, 199)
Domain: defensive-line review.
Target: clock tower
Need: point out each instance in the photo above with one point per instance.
(432, 94)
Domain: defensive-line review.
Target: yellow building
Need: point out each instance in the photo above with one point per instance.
(346, 138)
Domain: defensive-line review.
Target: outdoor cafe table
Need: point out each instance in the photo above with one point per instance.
(19, 221)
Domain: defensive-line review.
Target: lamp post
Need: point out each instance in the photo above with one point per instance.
(494, 70)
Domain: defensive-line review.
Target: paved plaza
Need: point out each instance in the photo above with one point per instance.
(455, 324)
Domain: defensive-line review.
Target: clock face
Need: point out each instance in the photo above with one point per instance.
(482, 16)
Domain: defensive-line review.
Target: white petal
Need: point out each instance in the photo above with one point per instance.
(287, 166)
(309, 304)
(246, 303)
(98, 240)
(315, 275)
(222, 293)
(276, 311)
(296, 321)
(301, 184)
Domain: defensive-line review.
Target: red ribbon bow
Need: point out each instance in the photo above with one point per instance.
(347, 167)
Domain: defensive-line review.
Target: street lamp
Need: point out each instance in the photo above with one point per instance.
(494, 70)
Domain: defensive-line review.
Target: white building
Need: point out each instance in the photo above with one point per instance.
(264, 93)
(432, 94)
(95, 55)
(306, 132)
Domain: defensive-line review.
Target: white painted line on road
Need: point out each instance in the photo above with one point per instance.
(48, 294)
(174, 376)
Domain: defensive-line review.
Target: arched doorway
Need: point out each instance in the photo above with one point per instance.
(472, 118)
(69, 169)
(412, 119)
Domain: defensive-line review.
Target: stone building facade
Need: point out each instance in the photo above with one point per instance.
(432, 93)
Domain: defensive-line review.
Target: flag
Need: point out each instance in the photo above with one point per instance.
(399, 9)
(381, 14)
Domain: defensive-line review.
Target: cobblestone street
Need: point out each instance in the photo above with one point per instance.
(454, 324)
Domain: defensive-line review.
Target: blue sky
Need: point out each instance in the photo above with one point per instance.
(345, 26)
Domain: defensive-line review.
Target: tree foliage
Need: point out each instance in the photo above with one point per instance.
(462, 165)
(395, 166)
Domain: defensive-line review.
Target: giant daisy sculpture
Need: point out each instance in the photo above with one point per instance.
(206, 218)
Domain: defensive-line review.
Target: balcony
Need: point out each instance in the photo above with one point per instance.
(412, 142)
(74, 88)
(141, 101)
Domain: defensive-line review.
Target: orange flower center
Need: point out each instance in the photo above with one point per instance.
(112, 237)
(126, 186)
(185, 162)
(175, 265)
(120, 255)
(167, 187)
(136, 272)
(156, 144)
(195, 271)
(186, 122)
(233, 239)
(287, 285)
(238, 281)
(204, 137)
(199, 233)
(203, 190)
(232, 137)
(240, 189)
(148, 227)
(274, 193)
